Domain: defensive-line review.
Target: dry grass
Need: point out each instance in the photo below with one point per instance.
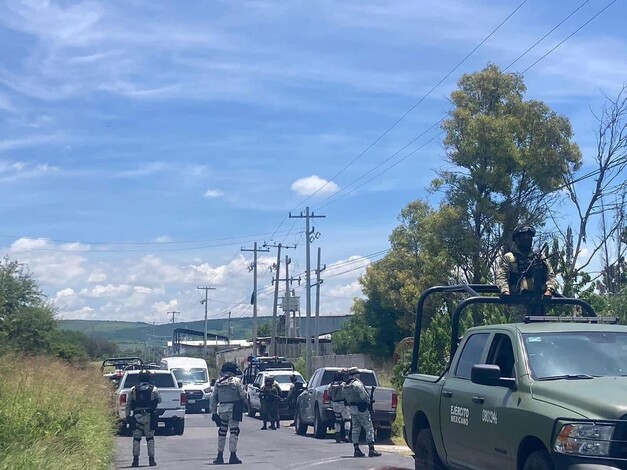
(53, 416)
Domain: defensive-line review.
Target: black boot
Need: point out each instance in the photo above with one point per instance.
(264, 427)
(372, 452)
(278, 424)
(219, 460)
(338, 438)
(135, 462)
(272, 426)
(234, 459)
(152, 462)
(358, 452)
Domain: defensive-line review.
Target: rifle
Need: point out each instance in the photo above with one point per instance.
(535, 269)
(370, 407)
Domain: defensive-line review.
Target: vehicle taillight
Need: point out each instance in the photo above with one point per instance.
(326, 398)
(123, 399)
(394, 400)
(183, 399)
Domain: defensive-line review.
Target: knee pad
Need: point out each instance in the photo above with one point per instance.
(235, 431)
(148, 439)
(138, 439)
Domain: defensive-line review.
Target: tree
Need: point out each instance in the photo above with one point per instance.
(27, 320)
(507, 158)
(608, 193)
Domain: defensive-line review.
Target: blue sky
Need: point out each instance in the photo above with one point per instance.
(143, 143)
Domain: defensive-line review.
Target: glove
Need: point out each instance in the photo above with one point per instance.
(215, 417)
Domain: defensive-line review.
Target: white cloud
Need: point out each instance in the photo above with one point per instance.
(96, 277)
(213, 193)
(309, 185)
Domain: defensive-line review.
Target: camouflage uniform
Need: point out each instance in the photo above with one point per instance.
(142, 402)
(227, 403)
(340, 410)
(359, 401)
(510, 279)
(270, 395)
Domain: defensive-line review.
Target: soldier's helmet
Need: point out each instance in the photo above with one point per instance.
(293, 378)
(523, 229)
(144, 375)
(269, 379)
(353, 371)
(229, 368)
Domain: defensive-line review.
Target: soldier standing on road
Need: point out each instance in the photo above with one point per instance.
(342, 415)
(227, 406)
(270, 395)
(295, 390)
(518, 275)
(359, 401)
(142, 403)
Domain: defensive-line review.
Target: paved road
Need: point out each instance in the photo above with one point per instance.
(257, 449)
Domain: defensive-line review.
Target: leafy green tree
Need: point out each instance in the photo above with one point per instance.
(265, 329)
(507, 158)
(27, 320)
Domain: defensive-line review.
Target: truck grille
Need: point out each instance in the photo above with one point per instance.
(193, 394)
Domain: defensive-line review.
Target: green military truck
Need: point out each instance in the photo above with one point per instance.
(546, 394)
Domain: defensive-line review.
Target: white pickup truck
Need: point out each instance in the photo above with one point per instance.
(313, 406)
(171, 410)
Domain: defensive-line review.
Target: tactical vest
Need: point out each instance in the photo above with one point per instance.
(354, 392)
(336, 392)
(227, 389)
(517, 267)
(143, 396)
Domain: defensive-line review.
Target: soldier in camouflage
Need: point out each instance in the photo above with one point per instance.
(140, 413)
(227, 406)
(342, 415)
(516, 274)
(269, 396)
(359, 401)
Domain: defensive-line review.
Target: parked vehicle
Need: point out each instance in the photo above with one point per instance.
(259, 364)
(192, 372)
(171, 410)
(282, 378)
(113, 368)
(313, 406)
(545, 394)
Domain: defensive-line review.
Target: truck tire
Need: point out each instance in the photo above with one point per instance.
(251, 410)
(538, 460)
(320, 428)
(426, 457)
(179, 427)
(301, 428)
(383, 434)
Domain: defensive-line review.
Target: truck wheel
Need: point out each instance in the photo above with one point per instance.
(426, 457)
(301, 428)
(320, 428)
(179, 427)
(251, 410)
(538, 460)
(383, 434)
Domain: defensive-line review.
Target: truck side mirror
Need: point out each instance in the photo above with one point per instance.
(490, 374)
(213, 382)
(180, 384)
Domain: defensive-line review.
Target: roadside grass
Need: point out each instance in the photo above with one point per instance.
(53, 416)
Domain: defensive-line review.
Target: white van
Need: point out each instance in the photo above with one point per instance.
(192, 373)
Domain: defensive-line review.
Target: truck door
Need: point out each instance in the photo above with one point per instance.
(459, 415)
(498, 405)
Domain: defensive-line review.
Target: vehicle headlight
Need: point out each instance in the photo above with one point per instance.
(207, 390)
(584, 439)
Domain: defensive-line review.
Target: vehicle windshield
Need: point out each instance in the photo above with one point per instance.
(193, 375)
(576, 355)
(158, 380)
(285, 379)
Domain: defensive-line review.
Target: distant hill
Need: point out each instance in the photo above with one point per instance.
(140, 332)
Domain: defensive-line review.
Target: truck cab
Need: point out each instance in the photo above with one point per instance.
(547, 394)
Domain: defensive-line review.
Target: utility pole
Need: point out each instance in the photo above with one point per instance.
(275, 281)
(255, 250)
(228, 328)
(318, 283)
(206, 301)
(173, 313)
(309, 236)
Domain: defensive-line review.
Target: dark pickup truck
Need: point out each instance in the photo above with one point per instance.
(546, 394)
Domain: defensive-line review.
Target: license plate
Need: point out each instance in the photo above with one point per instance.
(191, 401)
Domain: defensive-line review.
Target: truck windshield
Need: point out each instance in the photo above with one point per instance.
(193, 375)
(576, 354)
